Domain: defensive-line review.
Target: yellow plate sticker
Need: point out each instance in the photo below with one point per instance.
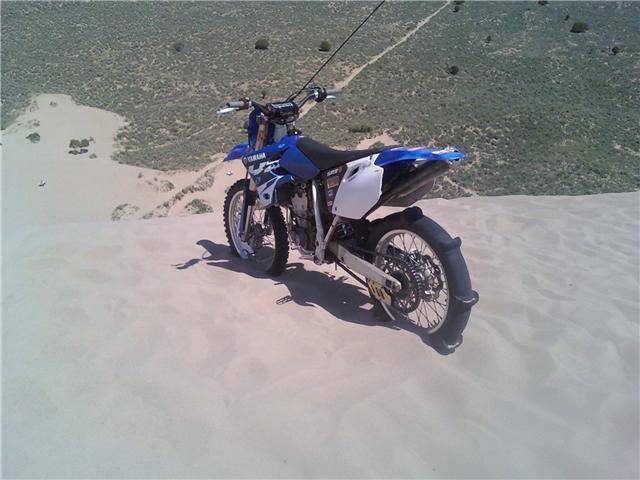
(379, 292)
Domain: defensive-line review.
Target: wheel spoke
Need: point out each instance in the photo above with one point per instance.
(407, 255)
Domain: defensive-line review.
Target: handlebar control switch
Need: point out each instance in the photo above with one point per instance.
(320, 94)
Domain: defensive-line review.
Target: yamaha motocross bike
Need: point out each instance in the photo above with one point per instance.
(302, 193)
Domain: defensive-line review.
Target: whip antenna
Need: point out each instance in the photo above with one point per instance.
(290, 97)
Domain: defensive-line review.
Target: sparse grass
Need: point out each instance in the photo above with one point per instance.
(535, 112)
(123, 61)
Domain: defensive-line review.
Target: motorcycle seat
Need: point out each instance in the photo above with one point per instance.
(325, 157)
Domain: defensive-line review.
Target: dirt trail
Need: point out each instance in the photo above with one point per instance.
(342, 84)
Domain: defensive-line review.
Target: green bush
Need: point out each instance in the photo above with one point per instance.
(543, 2)
(579, 27)
(324, 46)
(456, 8)
(178, 46)
(262, 43)
(616, 50)
(453, 70)
(360, 128)
(74, 143)
(488, 39)
(34, 137)
(84, 143)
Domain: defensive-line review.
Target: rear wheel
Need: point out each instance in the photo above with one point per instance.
(436, 289)
(266, 241)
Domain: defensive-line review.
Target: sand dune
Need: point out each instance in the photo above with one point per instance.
(142, 349)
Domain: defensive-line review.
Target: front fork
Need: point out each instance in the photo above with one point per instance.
(247, 208)
(250, 187)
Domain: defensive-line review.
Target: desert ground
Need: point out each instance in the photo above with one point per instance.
(141, 348)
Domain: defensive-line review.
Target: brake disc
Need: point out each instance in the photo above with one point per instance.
(408, 298)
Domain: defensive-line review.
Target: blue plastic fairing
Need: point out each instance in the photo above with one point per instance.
(402, 154)
(238, 151)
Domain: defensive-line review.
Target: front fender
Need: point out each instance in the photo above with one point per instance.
(238, 151)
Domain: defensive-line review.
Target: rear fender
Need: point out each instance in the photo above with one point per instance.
(412, 154)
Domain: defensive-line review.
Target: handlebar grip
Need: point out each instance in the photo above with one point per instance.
(334, 91)
(236, 104)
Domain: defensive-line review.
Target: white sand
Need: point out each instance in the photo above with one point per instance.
(118, 363)
(142, 349)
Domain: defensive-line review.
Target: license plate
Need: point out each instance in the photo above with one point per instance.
(379, 292)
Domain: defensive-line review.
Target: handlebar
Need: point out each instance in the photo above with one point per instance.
(319, 94)
(237, 105)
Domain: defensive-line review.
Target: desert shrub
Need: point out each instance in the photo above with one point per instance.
(84, 143)
(123, 211)
(453, 70)
(579, 27)
(488, 39)
(458, 2)
(262, 43)
(360, 128)
(456, 8)
(567, 17)
(93, 155)
(324, 46)
(616, 50)
(263, 93)
(34, 137)
(53, 104)
(543, 2)
(166, 186)
(73, 143)
(198, 206)
(178, 46)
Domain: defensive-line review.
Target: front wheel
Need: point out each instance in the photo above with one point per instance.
(266, 241)
(436, 289)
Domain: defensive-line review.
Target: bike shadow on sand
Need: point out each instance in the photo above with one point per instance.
(309, 288)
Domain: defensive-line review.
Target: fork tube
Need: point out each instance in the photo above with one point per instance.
(319, 229)
(263, 124)
(245, 217)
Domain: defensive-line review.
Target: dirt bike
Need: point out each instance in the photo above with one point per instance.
(302, 193)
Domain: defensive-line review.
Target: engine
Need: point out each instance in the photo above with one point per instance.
(302, 220)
